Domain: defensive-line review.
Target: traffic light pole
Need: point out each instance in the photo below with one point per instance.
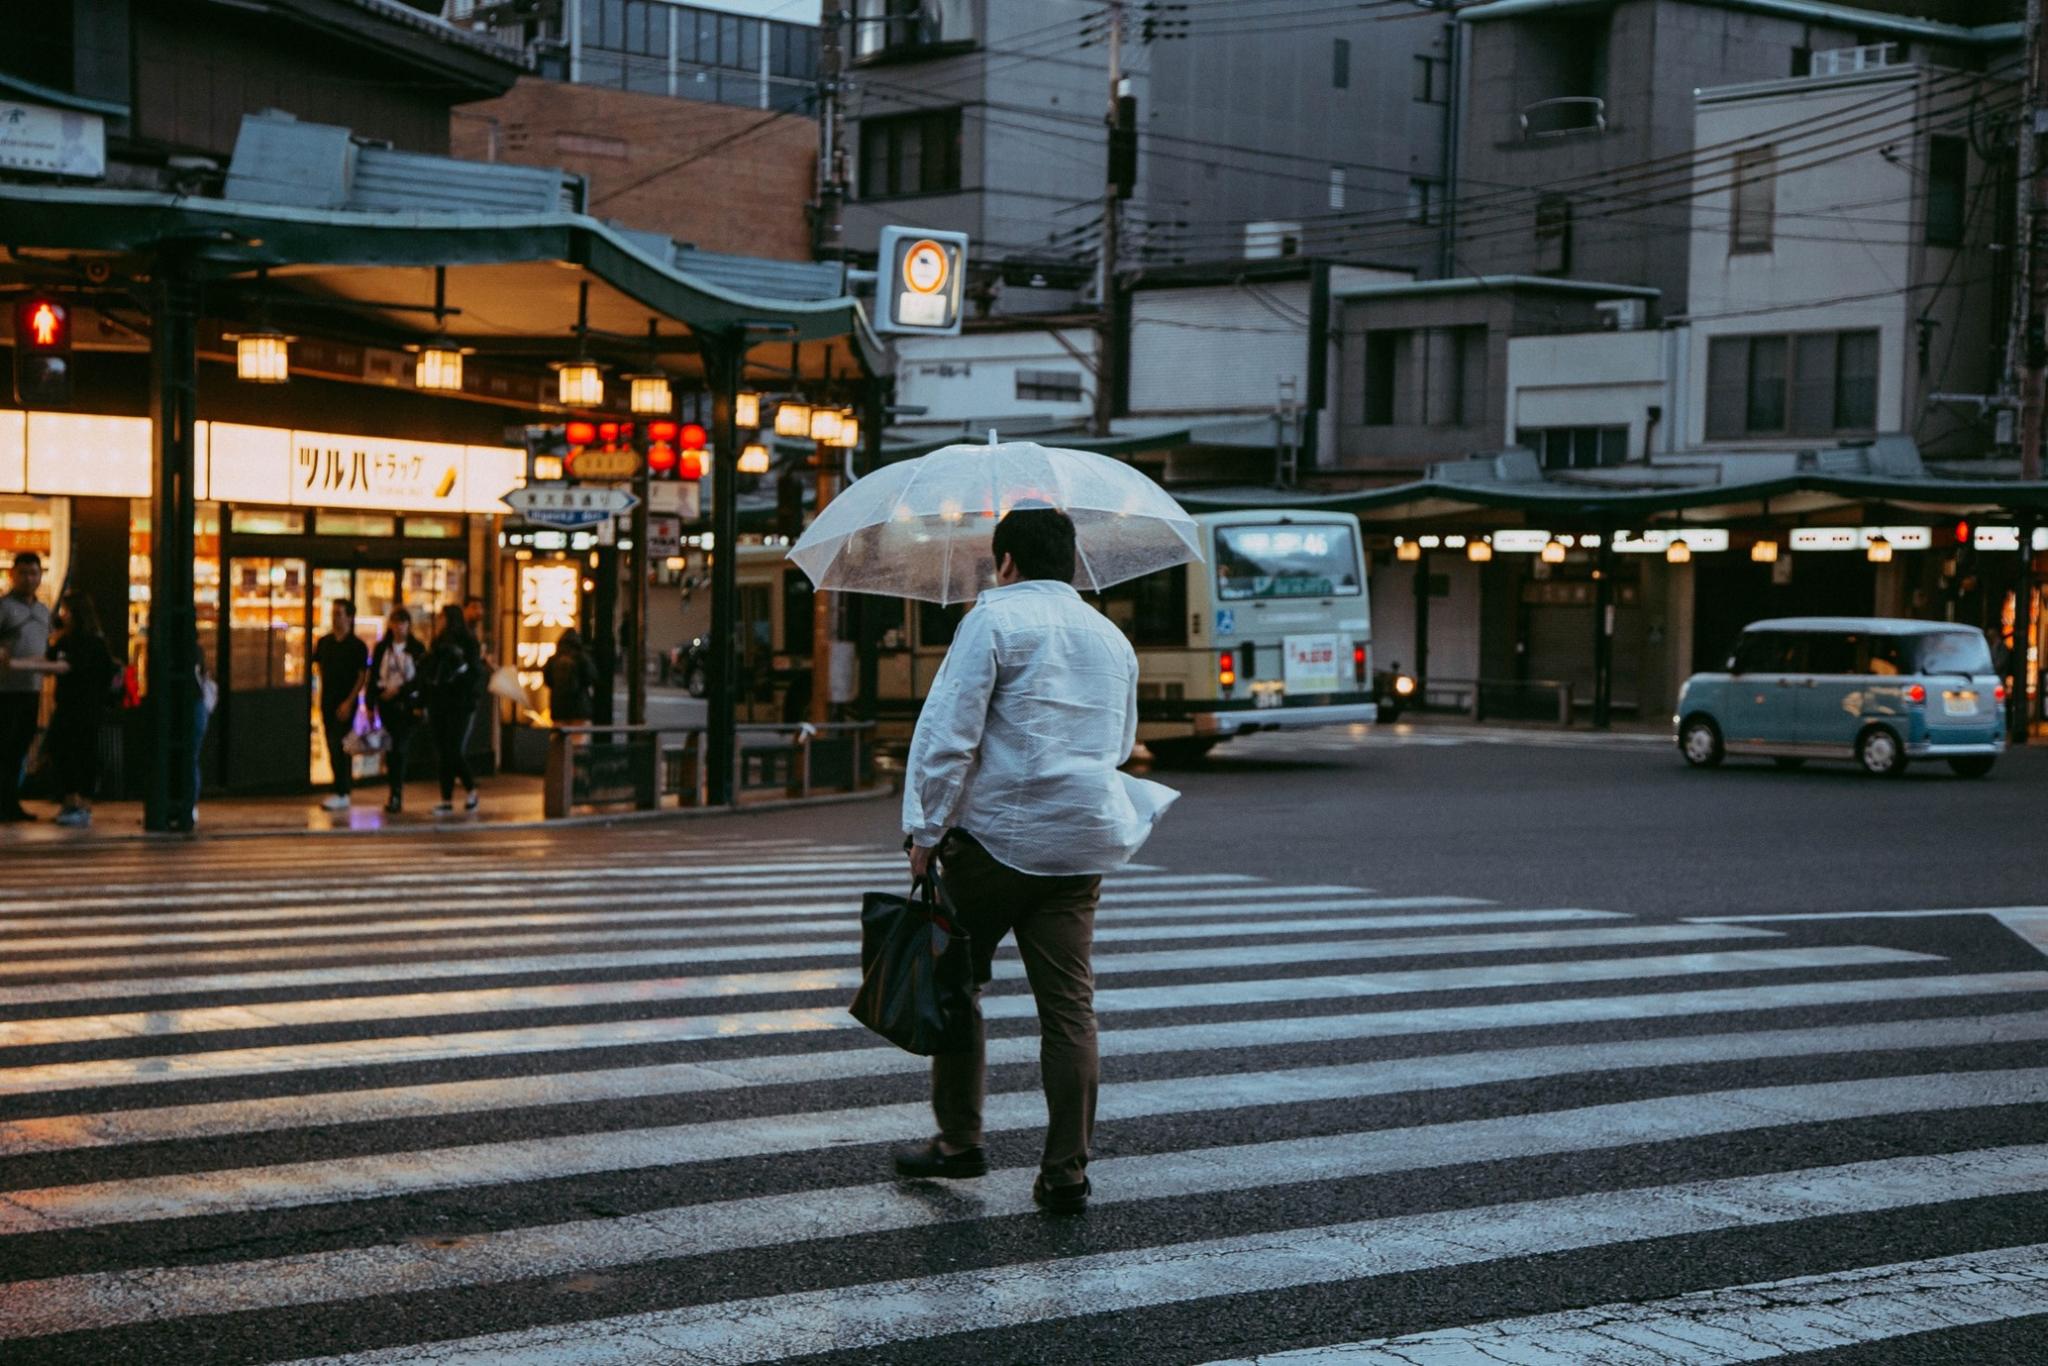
(172, 793)
(724, 356)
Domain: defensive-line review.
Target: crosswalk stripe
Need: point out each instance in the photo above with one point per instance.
(157, 1024)
(548, 891)
(1197, 922)
(364, 922)
(1007, 967)
(293, 1184)
(219, 1119)
(1757, 1322)
(880, 1314)
(100, 1300)
(283, 1059)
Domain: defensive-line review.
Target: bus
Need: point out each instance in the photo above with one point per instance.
(1271, 630)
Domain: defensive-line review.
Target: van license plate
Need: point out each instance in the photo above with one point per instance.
(1959, 703)
(1267, 695)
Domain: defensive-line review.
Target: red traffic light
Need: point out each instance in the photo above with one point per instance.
(693, 437)
(46, 324)
(579, 433)
(1962, 533)
(691, 466)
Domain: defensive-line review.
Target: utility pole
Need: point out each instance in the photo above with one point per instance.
(828, 235)
(2026, 346)
(1122, 123)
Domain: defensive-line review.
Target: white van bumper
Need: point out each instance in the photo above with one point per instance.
(1244, 721)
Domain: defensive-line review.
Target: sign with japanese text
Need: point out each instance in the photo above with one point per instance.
(1311, 664)
(566, 505)
(325, 469)
(47, 141)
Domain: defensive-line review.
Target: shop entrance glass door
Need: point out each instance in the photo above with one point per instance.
(374, 591)
(264, 736)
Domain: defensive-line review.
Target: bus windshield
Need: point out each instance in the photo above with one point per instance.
(1314, 561)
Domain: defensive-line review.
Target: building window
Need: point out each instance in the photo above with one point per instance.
(1805, 384)
(910, 154)
(1553, 235)
(891, 27)
(1049, 386)
(1425, 199)
(1431, 80)
(1948, 178)
(1575, 448)
(1383, 352)
(1755, 199)
(1340, 63)
(1336, 187)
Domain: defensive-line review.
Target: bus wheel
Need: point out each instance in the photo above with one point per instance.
(1177, 752)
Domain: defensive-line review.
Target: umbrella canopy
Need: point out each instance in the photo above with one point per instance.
(921, 528)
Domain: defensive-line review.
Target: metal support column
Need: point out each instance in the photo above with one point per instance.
(724, 360)
(1421, 630)
(638, 565)
(1603, 631)
(173, 623)
(604, 650)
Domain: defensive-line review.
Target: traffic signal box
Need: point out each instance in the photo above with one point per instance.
(42, 352)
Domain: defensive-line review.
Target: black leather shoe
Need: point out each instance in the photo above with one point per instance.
(927, 1160)
(1068, 1199)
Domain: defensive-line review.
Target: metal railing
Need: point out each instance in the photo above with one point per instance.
(647, 767)
(1522, 699)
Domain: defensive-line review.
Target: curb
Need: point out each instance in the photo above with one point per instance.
(601, 818)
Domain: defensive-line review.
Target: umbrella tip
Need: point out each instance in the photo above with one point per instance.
(991, 436)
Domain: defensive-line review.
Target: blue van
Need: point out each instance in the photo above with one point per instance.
(1877, 690)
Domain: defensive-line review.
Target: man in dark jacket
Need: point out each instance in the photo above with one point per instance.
(571, 680)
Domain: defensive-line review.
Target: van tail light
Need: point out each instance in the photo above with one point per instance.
(1360, 665)
(1916, 693)
(1226, 670)
(1998, 693)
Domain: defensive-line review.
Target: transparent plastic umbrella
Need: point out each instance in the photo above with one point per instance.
(921, 528)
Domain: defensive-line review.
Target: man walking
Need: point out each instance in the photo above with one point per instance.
(343, 663)
(24, 647)
(1012, 785)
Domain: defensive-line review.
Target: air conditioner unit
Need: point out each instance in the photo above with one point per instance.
(1622, 315)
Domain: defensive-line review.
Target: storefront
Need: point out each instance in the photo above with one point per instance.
(288, 522)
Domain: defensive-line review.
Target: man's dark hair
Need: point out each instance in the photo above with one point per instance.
(348, 606)
(1040, 540)
(28, 559)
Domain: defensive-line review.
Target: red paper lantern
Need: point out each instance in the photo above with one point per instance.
(579, 433)
(693, 437)
(608, 432)
(691, 466)
(661, 457)
(661, 431)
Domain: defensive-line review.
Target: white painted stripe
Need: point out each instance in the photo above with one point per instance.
(854, 1317)
(108, 1299)
(158, 1024)
(144, 910)
(1757, 1322)
(848, 947)
(291, 1185)
(1298, 899)
(2028, 922)
(220, 1119)
(281, 1059)
(1200, 922)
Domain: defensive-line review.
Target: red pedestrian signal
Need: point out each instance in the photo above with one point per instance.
(42, 352)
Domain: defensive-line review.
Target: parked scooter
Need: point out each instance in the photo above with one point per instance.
(1394, 691)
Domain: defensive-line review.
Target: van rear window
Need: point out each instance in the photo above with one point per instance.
(1314, 561)
(1953, 652)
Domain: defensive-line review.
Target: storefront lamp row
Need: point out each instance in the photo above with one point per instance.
(1552, 547)
(83, 455)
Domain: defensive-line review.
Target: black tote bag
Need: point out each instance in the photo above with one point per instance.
(917, 971)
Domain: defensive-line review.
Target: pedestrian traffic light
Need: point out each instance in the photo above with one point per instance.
(42, 352)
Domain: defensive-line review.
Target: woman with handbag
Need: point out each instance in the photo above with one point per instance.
(84, 689)
(455, 684)
(396, 669)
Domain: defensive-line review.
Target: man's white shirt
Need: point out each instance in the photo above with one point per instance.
(1019, 743)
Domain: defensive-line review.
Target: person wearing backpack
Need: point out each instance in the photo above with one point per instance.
(455, 683)
(571, 680)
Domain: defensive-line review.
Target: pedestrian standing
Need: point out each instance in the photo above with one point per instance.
(455, 682)
(24, 650)
(571, 680)
(1012, 786)
(395, 668)
(342, 663)
(84, 690)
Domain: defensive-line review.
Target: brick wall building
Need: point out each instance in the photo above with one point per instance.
(715, 176)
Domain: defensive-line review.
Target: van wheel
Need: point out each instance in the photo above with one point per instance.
(1789, 761)
(1880, 753)
(1699, 740)
(1972, 766)
(1175, 753)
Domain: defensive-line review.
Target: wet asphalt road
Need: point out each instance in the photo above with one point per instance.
(1430, 1030)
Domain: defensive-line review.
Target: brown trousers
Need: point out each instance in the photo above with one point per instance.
(1054, 921)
